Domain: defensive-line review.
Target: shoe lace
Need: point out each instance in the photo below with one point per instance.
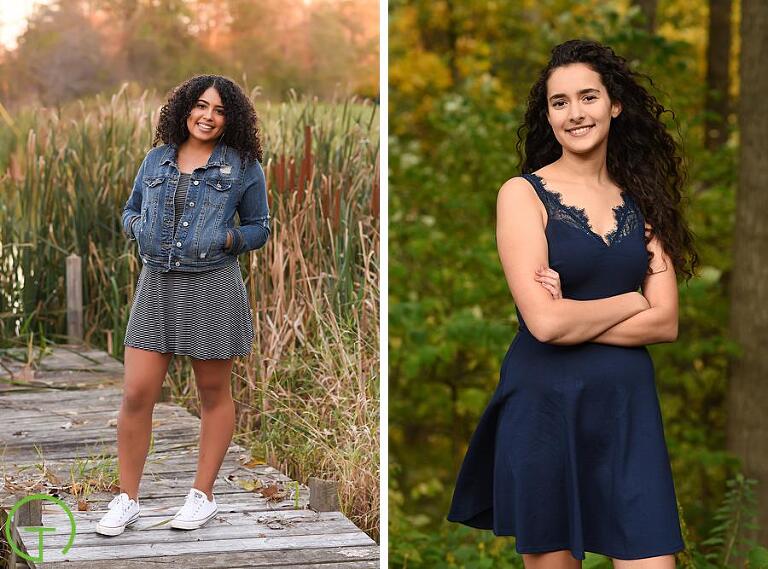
(123, 503)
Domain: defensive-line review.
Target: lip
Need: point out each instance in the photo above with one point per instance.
(588, 127)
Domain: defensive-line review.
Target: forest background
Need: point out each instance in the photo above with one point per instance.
(460, 71)
(80, 93)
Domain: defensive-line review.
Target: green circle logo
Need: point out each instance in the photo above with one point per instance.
(39, 529)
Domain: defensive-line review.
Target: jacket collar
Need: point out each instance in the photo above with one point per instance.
(218, 156)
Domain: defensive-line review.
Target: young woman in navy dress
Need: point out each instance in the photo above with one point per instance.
(569, 455)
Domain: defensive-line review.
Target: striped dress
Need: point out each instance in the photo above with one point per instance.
(205, 315)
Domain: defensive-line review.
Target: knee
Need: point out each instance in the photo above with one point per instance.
(137, 400)
(213, 397)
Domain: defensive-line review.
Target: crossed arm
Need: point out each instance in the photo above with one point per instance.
(629, 319)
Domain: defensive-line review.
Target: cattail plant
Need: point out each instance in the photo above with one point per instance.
(307, 395)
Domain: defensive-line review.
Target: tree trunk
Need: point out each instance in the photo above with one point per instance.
(718, 79)
(648, 7)
(748, 384)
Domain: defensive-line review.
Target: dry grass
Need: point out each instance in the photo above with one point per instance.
(308, 393)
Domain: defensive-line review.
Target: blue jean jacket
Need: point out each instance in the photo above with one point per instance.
(224, 185)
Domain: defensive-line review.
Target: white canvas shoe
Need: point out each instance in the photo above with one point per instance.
(195, 512)
(122, 512)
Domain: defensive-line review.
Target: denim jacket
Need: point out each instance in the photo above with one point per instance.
(224, 185)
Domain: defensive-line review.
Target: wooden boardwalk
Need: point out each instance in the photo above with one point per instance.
(59, 436)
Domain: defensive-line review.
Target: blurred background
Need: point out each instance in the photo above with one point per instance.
(459, 76)
(55, 51)
(81, 86)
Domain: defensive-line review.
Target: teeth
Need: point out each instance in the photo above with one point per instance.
(579, 131)
(203, 127)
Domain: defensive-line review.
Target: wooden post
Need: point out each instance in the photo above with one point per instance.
(29, 514)
(74, 299)
(323, 495)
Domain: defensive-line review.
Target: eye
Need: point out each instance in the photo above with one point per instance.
(590, 97)
(220, 111)
(556, 103)
(200, 105)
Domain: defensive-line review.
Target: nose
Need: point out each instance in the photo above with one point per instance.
(575, 115)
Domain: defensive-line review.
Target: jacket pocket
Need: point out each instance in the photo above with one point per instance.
(219, 190)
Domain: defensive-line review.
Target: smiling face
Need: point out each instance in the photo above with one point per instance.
(578, 108)
(206, 119)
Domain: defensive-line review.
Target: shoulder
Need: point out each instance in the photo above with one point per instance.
(253, 172)
(155, 154)
(518, 201)
(517, 191)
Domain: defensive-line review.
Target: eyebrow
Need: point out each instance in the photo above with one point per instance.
(587, 90)
(207, 103)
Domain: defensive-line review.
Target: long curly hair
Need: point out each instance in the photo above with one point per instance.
(642, 157)
(241, 130)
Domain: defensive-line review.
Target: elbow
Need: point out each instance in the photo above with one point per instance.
(671, 332)
(543, 330)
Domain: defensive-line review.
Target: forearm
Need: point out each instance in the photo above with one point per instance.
(129, 218)
(249, 237)
(577, 321)
(650, 326)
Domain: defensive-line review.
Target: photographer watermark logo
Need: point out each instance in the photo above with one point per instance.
(41, 530)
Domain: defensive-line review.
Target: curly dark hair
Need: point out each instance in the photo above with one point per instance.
(242, 124)
(642, 157)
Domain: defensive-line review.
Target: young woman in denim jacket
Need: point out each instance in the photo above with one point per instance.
(190, 298)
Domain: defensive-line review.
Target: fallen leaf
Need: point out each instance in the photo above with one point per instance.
(269, 491)
(254, 462)
(250, 485)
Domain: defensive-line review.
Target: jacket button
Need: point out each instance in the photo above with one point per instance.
(178, 243)
(218, 185)
(202, 255)
(196, 182)
(185, 223)
(177, 263)
(191, 204)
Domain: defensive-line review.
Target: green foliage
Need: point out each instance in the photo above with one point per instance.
(459, 75)
(449, 545)
(736, 516)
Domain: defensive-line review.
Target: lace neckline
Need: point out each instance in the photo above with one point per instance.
(619, 212)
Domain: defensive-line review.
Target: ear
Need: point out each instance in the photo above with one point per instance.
(616, 109)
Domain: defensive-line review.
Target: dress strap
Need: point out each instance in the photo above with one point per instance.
(546, 197)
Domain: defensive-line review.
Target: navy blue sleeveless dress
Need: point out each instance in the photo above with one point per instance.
(570, 451)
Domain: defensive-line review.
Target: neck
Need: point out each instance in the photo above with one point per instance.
(589, 169)
(198, 146)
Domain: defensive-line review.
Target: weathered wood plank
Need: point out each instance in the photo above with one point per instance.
(221, 546)
(358, 556)
(43, 399)
(87, 415)
(224, 527)
(242, 502)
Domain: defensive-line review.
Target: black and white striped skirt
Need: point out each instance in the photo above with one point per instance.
(204, 315)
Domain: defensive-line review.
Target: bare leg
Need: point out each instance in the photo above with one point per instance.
(144, 374)
(660, 562)
(217, 419)
(562, 559)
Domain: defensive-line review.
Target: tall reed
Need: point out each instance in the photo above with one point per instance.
(308, 393)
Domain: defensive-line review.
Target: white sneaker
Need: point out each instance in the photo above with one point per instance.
(122, 512)
(195, 512)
